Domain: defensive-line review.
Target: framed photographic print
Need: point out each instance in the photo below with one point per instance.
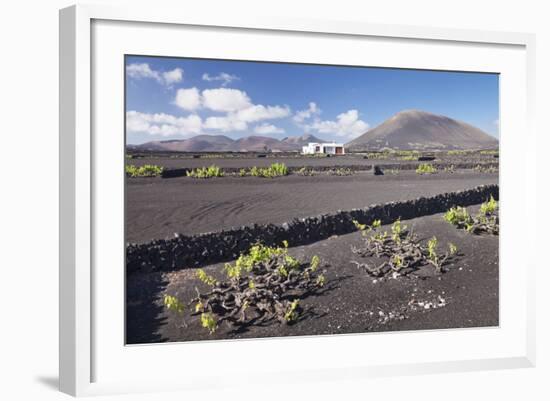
(313, 186)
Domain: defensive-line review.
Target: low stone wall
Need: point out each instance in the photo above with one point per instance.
(182, 172)
(438, 165)
(202, 249)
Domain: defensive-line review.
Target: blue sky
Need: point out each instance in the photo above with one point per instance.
(176, 98)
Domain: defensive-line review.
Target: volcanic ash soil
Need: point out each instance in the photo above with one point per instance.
(157, 208)
(352, 302)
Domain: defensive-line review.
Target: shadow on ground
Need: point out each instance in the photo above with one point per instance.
(143, 309)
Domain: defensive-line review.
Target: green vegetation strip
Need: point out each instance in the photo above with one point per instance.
(147, 170)
(274, 170)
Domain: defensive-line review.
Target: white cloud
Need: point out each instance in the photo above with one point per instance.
(346, 125)
(138, 71)
(225, 124)
(143, 70)
(224, 77)
(260, 112)
(188, 99)
(237, 108)
(238, 120)
(137, 122)
(173, 77)
(268, 129)
(302, 115)
(163, 124)
(224, 99)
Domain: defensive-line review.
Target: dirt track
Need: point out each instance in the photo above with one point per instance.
(157, 208)
(353, 302)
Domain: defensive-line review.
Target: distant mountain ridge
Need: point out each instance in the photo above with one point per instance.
(301, 140)
(222, 143)
(420, 130)
(406, 130)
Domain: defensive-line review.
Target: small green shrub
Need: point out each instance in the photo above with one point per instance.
(401, 253)
(206, 172)
(398, 230)
(279, 169)
(321, 280)
(396, 261)
(206, 278)
(453, 250)
(174, 304)
(432, 250)
(264, 284)
(257, 254)
(275, 170)
(485, 221)
(314, 264)
(489, 207)
(147, 170)
(291, 314)
(364, 228)
(458, 216)
(131, 170)
(426, 169)
(208, 322)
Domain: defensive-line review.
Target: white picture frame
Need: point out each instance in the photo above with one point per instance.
(84, 355)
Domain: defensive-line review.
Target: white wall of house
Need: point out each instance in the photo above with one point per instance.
(323, 148)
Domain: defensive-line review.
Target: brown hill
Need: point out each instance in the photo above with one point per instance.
(221, 143)
(415, 129)
(258, 144)
(199, 143)
(299, 141)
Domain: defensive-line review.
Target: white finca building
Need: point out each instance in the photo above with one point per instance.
(313, 148)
